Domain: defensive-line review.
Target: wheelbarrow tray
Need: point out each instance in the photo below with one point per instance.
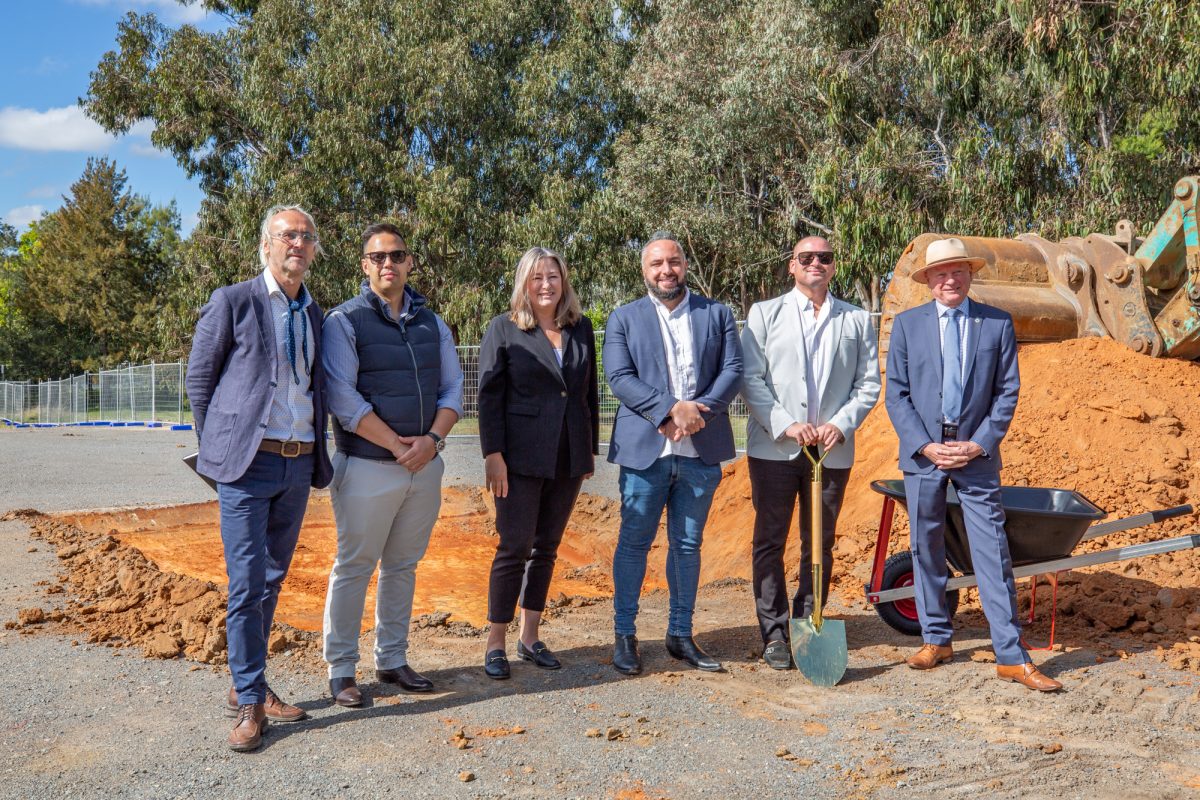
(1041, 524)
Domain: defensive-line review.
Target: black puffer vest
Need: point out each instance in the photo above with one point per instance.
(399, 368)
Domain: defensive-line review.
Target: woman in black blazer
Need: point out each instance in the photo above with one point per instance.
(539, 426)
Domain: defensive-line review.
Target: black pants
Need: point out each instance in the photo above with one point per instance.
(530, 521)
(774, 486)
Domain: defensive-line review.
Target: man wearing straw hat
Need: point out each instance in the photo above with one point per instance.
(952, 386)
(812, 375)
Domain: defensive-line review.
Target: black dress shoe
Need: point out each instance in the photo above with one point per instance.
(345, 692)
(778, 655)
(539, 654)
(626, 658)
(406, 678)
(685, 649)
(495, 665)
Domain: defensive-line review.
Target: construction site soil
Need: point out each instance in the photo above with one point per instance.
(1119, 428)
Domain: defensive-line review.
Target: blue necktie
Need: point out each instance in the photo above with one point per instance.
(294, 306)
(951, 368)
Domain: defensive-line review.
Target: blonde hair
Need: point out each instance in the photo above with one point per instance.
(568, 311)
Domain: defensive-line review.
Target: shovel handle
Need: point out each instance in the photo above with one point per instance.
(816, 524)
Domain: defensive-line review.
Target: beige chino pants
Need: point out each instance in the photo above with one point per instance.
(384, 515)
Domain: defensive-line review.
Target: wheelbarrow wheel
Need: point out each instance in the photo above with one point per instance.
(902, 614)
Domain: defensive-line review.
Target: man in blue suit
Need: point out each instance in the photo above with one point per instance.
(952, 386)
(674, 361)
(255, 383)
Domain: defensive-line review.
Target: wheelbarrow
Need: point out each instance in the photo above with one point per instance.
(1043, 527)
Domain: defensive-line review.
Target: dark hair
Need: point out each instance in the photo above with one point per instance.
(376, 228)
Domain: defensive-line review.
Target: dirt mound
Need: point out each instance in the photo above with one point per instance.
(1095, 417)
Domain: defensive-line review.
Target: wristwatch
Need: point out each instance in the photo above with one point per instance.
(439, 444)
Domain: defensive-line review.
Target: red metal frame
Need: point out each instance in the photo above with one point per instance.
(881, 547)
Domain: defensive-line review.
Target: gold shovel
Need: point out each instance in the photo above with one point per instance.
(818, 644)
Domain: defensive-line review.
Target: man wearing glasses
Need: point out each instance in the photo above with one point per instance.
(812, 374)
(255, 383)
(395, 391)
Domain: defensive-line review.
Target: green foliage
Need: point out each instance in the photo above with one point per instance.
(91, 284)
(485, 126)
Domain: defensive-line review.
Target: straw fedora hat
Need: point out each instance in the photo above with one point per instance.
(946, 251)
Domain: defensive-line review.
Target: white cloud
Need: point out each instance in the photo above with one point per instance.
(21, 216)
(66, 128)
(169, 10)
(41, 192)
(146, 150)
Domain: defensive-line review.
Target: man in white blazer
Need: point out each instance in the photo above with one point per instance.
(811, 376)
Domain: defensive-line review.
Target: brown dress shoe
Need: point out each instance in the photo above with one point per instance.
(930, 655)
(277, 710)
(247, 732)
(1027, 675)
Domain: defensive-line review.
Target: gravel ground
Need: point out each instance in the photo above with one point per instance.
(84, 720)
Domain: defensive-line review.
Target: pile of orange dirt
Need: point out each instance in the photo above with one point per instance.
(154, 577)
(1095, 417)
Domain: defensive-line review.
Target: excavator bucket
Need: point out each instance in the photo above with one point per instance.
(1143, 292)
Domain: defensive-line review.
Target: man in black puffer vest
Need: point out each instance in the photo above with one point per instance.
(395, 391)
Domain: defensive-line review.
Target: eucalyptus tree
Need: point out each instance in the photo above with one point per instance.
(481, 128)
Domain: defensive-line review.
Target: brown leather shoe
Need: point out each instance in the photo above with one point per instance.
(1027, 675)
(930, 655)
(247, 732)
(345, 692)
(277, 710)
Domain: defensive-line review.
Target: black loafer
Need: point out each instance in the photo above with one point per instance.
(495, 665)
(345, 692)
(778, 655)
(626, 658)
(406, 678)
(686, 650)
(539, 654)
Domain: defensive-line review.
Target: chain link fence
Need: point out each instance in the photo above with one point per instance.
(154, 395)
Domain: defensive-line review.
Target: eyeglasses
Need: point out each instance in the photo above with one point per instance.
(295, 237)
(381, 257)
(825, 257)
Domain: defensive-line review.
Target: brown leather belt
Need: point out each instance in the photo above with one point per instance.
(286, 449)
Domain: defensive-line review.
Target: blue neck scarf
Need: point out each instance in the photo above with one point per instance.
(295, 306)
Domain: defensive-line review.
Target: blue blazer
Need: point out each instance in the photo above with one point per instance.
(230, 381)
(914, 384)
(635, 363)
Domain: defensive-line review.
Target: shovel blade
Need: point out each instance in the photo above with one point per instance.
(820, 655)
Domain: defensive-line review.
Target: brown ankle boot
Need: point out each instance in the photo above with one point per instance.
(930, 655)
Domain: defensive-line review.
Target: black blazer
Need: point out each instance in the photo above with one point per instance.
(525, 398)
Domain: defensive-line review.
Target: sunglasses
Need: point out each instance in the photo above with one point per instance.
(825, 257)
(397, 257)
(295, 237)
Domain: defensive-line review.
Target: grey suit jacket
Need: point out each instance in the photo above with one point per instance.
(774, 384)
(231, 381)
(914, 384)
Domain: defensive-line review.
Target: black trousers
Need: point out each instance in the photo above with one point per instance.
(530, 521)
(774, 487)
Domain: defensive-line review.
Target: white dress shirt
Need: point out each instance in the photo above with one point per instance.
(676, 328)
(818, 347)
(291, 416)
(963, 332)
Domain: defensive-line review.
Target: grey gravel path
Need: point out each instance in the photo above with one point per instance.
(81, 720)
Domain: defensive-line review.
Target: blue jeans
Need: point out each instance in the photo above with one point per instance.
(261, 514)
(685, 487)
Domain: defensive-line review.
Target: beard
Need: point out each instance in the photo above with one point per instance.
(664, 294)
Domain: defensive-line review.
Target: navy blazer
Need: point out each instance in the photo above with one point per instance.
(914, 384)
(231, 381)
(525, 398)
(635, 363)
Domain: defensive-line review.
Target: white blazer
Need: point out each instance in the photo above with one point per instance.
(774, 383)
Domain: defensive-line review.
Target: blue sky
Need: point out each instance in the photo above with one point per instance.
(51, 47)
